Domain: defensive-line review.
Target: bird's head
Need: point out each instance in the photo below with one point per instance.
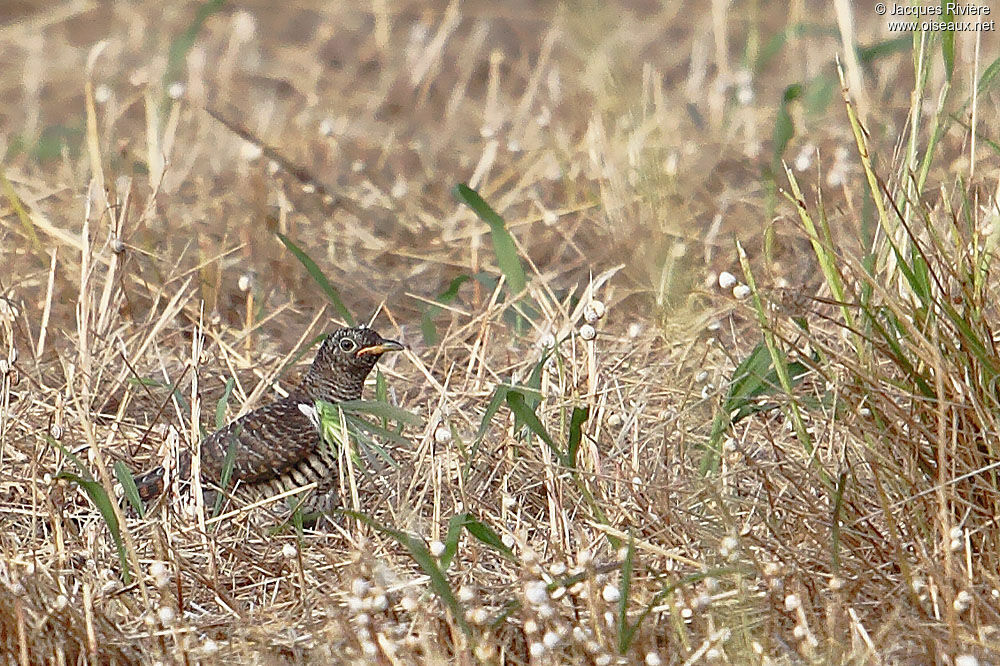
(343, 362)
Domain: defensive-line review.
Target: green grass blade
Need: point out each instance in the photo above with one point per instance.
(948, 37)
(838, 503)
(320, 279)
(220, 406)
(626, 633)
(487, 536)
(128, 485)
(499, 396)
(227, 471)
(576, 421)
(988, 76)
(382, 410)
(180, 46)
(99, 498)
(503, 242)
(527, 416)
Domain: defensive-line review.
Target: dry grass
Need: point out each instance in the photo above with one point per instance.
(851, 520)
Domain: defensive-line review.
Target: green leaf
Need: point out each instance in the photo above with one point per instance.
(784, 128)
(227, 470)
(380, 409)
(478, 529)
(626, 633)
(989, 76)
(319, 278)
(220, 406)
(487, 536)
(99, 498)
(128, 485)
(948, 37)
(515, 400)
(492, 407)
(356, 424)
(869, 54)
(753, 378)
(503, 242)
(576, 421)
(427, 327)
(180, 46)
(422, 556)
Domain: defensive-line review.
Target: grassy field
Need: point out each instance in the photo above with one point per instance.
(700, 302)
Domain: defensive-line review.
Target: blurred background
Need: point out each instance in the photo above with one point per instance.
(641, 133)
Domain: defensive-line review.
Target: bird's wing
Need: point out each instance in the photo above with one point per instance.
(268, 442)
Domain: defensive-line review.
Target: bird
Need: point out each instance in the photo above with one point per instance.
(279, 446)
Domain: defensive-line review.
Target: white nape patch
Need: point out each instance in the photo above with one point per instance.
(310, 412)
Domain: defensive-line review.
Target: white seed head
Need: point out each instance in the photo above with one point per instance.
(653, 659)
(792, 602)
(962, 601)
(966, 660)
(741, 291)
(158, 570)
(61, 602)
(530, 626)
(209, 647)
(536, 592)
(166, 615)
(176, 90)
(442, 434)
(587, 332)
(326, 127)
(727, 280)
(634, 329)
(508, 540)
(466, 594)
(956, 533)
(360, 587)
(436, 548)
(603, 660)
(102, 93)
(551, 639)
(594, 312)
(615, 420)
(245, 282)
(400, 188)
(536, 649)
(610, 593)
(547, 341)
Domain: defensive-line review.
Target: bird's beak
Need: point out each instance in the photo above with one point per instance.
(381, 348)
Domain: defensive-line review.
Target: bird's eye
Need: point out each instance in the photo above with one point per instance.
(348, 345)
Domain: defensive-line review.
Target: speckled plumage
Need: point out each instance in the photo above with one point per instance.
(279, 445)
